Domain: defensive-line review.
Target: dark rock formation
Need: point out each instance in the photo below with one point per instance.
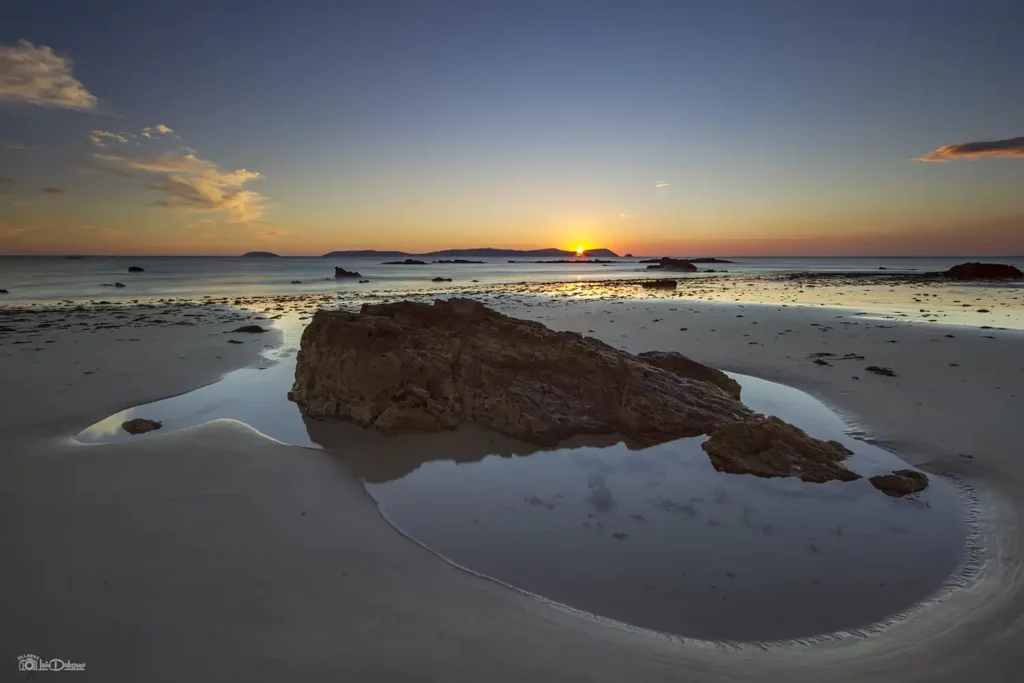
(881, 370)
(260, 254)
(413, 366)
(679, 364)
(703, 259)
(406, 262)
(984, 271)
(296, 282)
(136, 269)
(659, 284)
(900, 482)
(140, 425)
(4, 291)
(341, 272)
(119, 285)
(769, 447)
(250, 329)
(363, 282)
(458, 260)
(675, 264)
(441, 279)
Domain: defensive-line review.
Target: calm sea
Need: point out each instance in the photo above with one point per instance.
(54, 278)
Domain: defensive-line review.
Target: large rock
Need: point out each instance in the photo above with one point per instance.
(900, 482)
(340, 273)
(140, 425)
(984, 271)
(679, 364)
(414, 366)
(769, 447)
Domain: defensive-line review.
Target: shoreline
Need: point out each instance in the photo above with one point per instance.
(572, 647)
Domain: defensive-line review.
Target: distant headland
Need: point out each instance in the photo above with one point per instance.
(260, 254)
(478, 253)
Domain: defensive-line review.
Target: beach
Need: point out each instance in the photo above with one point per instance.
(215, 553)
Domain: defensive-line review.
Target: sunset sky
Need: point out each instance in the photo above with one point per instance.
(730, 128)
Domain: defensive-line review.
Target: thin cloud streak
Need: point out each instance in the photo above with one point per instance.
(660, 183)
(1011, 148)
(35, 75)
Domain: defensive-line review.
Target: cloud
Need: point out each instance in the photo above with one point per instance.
(1011, 148)
(625, 215)
(158, 128)
(190, 182)
(202, 223)
(21, 203)
(270, 234)
(53, 191)
(660, 183)
(35, 75)
(99, 138)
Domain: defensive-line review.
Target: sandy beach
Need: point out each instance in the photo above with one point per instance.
(214, 553)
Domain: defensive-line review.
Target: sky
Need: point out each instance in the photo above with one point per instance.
(727, 128)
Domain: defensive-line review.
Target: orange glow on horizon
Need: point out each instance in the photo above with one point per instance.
(580, 251)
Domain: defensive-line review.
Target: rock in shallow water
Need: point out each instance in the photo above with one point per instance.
(140, 425)
(769, 447)
(900, 482)
(413, 366)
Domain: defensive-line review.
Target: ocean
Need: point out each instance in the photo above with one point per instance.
(41, 279)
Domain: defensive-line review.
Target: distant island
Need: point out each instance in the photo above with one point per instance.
(260, 254)
(478, 253)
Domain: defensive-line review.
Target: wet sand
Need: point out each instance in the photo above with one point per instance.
(215, 553)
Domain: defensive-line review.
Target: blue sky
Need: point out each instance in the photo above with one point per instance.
(773, 127)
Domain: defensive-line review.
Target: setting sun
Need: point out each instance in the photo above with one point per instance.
(579, 251)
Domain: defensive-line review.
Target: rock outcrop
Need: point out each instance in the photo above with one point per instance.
(342, 273)
(679, 364)
(984, 271)
(667, 263)
(659, 284)
(441, 279)
(406, 262)
(769, 447)
(249, 329)
(900, 482)
(136, 269)
(414, 366)
(140, 425)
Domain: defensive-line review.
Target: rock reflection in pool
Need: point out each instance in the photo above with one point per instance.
(657, 538)
(651, 537)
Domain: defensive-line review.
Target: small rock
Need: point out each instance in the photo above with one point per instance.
(136, 269)
(250, 329)
(342, 273)
(441, 279)
(819, 361)
(296, 282)
(140, 425)
(119, 285)
(900, 482)
(659, 284)
(4, 291)
(880, 370)
(235, 341)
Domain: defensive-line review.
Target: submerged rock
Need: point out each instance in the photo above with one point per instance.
(900, 482)
(341, 272)
(136, 269)
(984, 271)
(441, 279)
(413, 366)
(250, 329)
(140, 425)
(769, 447)
(881, 370)
(679, 364)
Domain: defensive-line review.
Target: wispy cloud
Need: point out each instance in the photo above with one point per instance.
(53, 191)
(35, 75)
(625, 215)
(660, 184)
(100, 138)
(190, 182)
(21, 204)
(159, 128)
(991, 149)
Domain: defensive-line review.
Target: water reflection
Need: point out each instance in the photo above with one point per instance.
(653, 537)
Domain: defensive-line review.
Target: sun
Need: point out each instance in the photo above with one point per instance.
(580, 251)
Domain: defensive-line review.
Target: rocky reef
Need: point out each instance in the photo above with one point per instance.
(342, 273)
(984, 271)
(679, 265)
